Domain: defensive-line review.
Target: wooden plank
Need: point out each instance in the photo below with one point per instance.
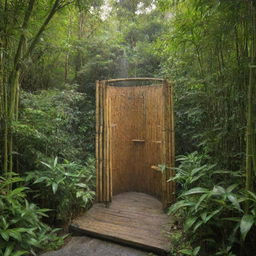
(133, 219)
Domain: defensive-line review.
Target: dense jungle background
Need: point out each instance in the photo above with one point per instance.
(51, 53)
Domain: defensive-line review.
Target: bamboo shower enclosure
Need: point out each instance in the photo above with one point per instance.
(134, 134)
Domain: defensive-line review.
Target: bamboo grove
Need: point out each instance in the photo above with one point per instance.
(218, 40)
(51, 54)
(16, 52)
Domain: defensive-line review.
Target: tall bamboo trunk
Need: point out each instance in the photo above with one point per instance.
(250, 129)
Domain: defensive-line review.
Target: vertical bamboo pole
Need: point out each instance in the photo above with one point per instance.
(168, 141)
(110, 153)
(164, 187)
(97, 140)
(103, 143)
(100, 140)
(250, 168)
(172, 144)
(106, 146)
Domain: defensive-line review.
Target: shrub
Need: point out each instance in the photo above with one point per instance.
(65, 187)
(22, 231)
(218, 216)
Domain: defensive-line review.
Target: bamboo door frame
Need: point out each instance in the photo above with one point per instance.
(103, 147)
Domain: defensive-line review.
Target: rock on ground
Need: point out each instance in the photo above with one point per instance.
(86, 246)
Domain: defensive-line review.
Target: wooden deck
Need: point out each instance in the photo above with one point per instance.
(133, 219)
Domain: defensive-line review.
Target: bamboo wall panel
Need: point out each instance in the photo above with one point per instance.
(134, 131)
(136, 122)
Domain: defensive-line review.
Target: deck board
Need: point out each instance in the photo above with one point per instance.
(133, 219)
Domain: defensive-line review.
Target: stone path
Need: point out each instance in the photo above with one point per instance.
(86, 246)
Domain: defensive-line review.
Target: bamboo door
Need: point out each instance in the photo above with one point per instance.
(134, 136)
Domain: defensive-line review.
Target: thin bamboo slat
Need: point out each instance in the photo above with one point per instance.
(101, 148)
(172, 144)
(97, 140)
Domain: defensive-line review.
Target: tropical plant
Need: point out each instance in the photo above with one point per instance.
(213, 209)
(66, 187)
(22, 231)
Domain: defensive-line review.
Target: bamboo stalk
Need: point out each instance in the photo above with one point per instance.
(97, 141)
(100, 142)
(106, 146)
(110, 154)
(168, 140)
(164, 187)
(103, 146)
(250, 154)
(172, 143)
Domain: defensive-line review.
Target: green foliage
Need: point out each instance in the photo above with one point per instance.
(216, 212)
(65, 187)
(201, 52)
(22, 231)
(53, 122)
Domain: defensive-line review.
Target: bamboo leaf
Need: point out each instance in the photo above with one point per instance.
(54, 187)
(246, 224)
(197, 190)
(189, 223)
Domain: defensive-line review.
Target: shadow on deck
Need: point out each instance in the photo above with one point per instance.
(133, 219)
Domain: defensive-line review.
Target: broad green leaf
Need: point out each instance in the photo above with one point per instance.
(5, 224)
(202, 198)
(235, 219)
(180, 204)
(246, 224)
(8, 250)
(4, 234)
(212, 214)
(34, 242)
(15, 234)
(253, 195)
(196, 170)
(54, 187)
(55, 161)
(19, 253)
(196, 251)
(47, 165)
(197, 190)
(233, 199)
(218, 190)
(231, 188)
(189, 223)
(203, 216)
(17, 191)
(197, 225)
(186, 251)
(41, 179)
(82, 185)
